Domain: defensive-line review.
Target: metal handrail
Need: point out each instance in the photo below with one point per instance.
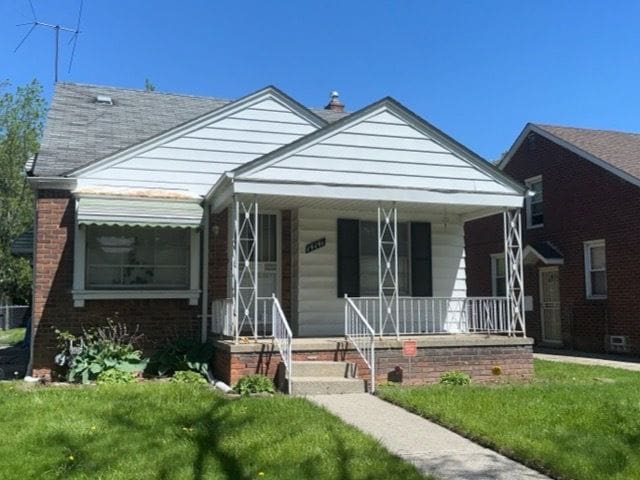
(283, 338)
(441, 315)
(358, 331)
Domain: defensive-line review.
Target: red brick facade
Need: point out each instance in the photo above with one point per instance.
(582, 202)
(53, 279)
(514, 361)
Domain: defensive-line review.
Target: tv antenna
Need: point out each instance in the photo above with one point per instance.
(57, 28)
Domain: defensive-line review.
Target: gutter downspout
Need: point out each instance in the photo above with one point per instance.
(205, 272)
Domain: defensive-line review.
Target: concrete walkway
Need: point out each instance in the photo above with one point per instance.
(615, 361)
(430, 447)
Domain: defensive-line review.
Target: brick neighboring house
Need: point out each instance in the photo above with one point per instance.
(581, 236)
(235, 220)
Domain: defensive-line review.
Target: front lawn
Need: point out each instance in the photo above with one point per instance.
(173, 431)
(11, 336)
(576, 421)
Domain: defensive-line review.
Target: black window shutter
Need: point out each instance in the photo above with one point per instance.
(348, 258)
(421, 281)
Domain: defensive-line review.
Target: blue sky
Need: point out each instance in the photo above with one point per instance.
(479, 70)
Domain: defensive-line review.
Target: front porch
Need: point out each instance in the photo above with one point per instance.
(410, 263)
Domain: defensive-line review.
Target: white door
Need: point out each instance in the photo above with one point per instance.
(550, 305)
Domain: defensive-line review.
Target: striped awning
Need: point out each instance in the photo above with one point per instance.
(144, 212)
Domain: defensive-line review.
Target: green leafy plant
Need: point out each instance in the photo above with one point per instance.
(254, 384)
(100, 349)
(455, 377)
(181, 353)
(188, 376)
(113, 376)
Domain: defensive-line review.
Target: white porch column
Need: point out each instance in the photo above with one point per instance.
(514, 276)
(388, 269)
(245, 266)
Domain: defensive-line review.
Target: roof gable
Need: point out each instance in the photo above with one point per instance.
(193, 155)
(616, 152)
(383, 144)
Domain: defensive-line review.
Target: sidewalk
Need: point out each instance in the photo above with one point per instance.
(430, 447)
(594, 359)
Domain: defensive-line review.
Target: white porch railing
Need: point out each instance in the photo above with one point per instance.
(358, 331)
(223, 319)
(435, 315)
(282, 337)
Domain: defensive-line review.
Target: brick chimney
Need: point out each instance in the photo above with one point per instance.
(334, 103)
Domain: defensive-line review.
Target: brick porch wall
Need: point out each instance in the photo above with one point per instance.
(52, 302)
(515, 361)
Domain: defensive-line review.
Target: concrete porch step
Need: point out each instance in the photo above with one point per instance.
(327, 385)
(317, 368)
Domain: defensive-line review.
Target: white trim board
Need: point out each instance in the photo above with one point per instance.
(529, 128)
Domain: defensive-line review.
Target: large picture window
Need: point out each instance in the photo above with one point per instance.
(137, 258)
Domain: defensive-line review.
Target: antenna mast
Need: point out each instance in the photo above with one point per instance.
(56, 28)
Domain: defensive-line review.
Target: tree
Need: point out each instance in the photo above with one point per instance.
(21, 123)
(148, 86)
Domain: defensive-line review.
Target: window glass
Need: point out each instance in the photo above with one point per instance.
(595, 269)
(137, 258)
(498, 280)
(535, 215)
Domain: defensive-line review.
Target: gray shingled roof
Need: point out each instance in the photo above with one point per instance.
(79, 130)
(620, 149)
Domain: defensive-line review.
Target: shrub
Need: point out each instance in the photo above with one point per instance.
(99, 349)
(182, 353)
(254, 384)
(455, 377)
(112, 376)
(188, 376)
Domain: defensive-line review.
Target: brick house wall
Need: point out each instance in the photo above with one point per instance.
(53, 279)
(582, 202)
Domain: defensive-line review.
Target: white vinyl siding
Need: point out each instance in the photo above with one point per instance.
(595, 269)
(195, 161)
(381, 150)
(318, 309)
(534, 203)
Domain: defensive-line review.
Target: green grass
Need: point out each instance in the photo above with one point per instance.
(174, 431)
(11, 336)
(574, 421)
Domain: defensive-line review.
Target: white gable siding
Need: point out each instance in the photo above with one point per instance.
(196, 160)
(381, 150)
(319, 311)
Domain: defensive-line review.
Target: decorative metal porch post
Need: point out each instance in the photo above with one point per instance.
(245, 266)
(514, 276)
(388, 268)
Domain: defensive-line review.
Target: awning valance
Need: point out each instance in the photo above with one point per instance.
(145, 212)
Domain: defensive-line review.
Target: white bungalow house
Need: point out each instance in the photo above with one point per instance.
(277, 221)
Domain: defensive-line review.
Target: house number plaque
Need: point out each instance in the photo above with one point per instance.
(315, 245)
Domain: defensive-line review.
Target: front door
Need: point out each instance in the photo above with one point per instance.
(550, 305)
(267, 255)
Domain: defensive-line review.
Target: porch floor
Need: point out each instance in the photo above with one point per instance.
(301, 344)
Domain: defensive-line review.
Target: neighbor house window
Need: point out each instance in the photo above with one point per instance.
(535, 216)
(137, 258)
(498, 278)
(369, 259)
(595, 269)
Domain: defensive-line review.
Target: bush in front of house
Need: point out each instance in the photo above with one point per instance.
(188, 376)
(181, 353)
(455, 377)
(96, 350)
(113, 376)
(251, 384)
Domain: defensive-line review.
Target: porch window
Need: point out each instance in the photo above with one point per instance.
(369, 259)
(595, 269)
(535, 217)
(136, 258)
(498, 277)
(358, 258)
